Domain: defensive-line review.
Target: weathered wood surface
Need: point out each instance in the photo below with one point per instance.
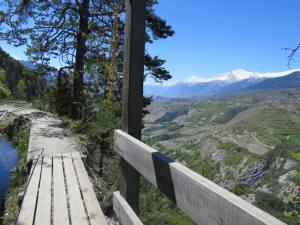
(3, 114)
(124, 212)
(91, 203)
(204, 201)
(132, 95)
(59, 192)
(43, 208)
(60, 202)
(26, 215)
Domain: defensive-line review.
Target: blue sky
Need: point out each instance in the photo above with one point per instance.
(216, 36)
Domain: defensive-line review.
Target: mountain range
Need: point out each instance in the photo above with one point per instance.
(228, 83)
(28, 64)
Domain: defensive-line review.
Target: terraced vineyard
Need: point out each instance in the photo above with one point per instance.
(246, 143)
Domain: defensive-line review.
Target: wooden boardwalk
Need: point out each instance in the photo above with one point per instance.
(58, 190)
(59, 193)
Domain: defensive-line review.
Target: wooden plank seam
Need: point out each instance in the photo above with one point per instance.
(52, 191)
(80, 189)
(66, 186)
(38, 191)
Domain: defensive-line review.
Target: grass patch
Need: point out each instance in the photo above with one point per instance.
(217, 112)
(271, 124)
(234, 153)
(154, 140)
(203, 165)
(171, 115)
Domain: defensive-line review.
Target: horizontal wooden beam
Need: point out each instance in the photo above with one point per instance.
(201, 199)
(124, 212)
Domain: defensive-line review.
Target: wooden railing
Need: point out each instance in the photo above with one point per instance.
(203, 201)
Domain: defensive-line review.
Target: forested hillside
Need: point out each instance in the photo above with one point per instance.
(20, 82)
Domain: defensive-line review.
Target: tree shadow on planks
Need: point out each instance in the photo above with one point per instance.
(49, 132)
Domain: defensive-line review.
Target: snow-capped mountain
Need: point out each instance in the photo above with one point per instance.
(230, 77)
(231, 82)
(28, 64)
(237, 75)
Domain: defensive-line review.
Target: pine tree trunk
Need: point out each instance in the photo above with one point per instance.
(80, 56)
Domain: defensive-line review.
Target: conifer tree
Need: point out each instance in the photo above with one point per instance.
(77, 33)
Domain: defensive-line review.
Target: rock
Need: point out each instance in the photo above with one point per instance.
(264, 188)
(288, 186)
(252, 175)
(217, 155)
(289, 164)
(278, 162)
(283, 179)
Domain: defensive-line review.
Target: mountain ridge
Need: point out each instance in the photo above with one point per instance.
(231, 82)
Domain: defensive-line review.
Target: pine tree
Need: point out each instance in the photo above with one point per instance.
(80, 33)
(4, 91)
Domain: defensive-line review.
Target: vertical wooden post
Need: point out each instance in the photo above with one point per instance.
(132, 96)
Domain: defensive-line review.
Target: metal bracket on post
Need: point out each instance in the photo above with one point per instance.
(132, 96)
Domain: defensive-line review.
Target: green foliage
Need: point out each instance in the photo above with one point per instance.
(62, 94)
(292, 213)
(156, 139)
(19, 82)
(271, 124)
(155, 208)
(240, 189)
(4, 91)
(217, 111)
(286, 210)
(269, 202)
(203, 165)
(296, 156)
(87, 36)
(234, 153)
(169, 116)
(21, 89)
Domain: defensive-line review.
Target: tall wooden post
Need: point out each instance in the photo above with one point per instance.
(132, 98)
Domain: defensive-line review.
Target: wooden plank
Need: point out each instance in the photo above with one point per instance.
(77, 210)
(33, 165)
(124, 212)
(60, 206)
(43, 210)
(26, 215)
(3, 114)
(204, 201)
(132, 96)
(91, 203)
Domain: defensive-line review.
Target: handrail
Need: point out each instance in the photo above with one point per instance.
(203, 201)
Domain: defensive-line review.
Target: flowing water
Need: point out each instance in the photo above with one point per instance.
(8, 160)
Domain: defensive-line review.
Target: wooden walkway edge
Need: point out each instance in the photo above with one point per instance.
(59, 193)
